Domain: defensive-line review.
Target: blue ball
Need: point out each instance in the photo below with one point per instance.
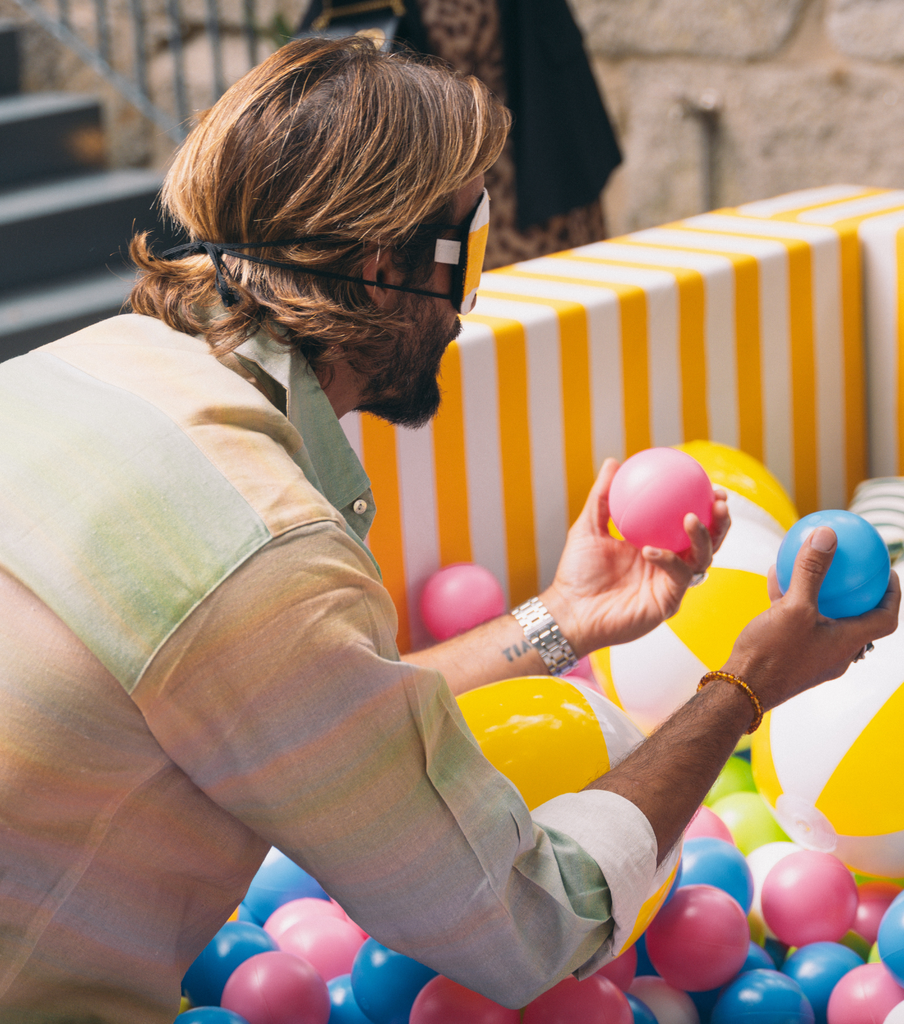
(757, 959)
(385, 983)
(891, 938)
(642, 1013)
(343, 1008)
(762, 997)
(858, 576)
(709, 861)
(233, 944)
(817, 968)
(210, 1015)
(277, 881)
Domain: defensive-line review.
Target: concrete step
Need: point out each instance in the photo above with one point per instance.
(38, 315)
(49, 134)
(9, 58)
(69, 227)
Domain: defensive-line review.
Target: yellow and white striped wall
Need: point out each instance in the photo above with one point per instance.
(741, 326)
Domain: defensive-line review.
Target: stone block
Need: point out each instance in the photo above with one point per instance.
(715, 28)
(781, 127)
(871, 29)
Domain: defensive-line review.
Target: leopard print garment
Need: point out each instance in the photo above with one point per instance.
(467, 34)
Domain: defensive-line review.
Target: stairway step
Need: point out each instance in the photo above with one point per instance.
(9, 58)
(36, 316)
(49, 134)
(70, 227)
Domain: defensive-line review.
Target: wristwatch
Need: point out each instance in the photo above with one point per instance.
(543, 634)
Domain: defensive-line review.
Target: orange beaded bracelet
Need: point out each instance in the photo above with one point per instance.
(737, 681)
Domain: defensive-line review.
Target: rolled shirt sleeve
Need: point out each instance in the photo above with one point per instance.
(283, 699)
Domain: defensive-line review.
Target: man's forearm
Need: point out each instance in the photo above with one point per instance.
(496, 650)
(670, 773)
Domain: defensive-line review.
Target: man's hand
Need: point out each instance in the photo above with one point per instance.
(791, 647)
(785, 650)
(606, 591)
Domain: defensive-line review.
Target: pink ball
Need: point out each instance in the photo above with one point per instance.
(277, 988)
(622, 969)
(707, 823)
(329, 944)
(442, 1001)
(699, 939)
(302, 909)
(594, 1000)
(874, 899)
(809, 897)
(864, 995)
(459, 597)
(651, 494)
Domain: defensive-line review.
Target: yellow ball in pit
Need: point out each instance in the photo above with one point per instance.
(551, 736)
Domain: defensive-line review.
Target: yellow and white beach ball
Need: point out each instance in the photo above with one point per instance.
(551, 736)
(652, 676)
(830, 762)
(753, 492)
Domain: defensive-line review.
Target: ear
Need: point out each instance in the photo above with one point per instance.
(379, 267)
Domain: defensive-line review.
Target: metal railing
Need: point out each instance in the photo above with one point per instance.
(166, 57)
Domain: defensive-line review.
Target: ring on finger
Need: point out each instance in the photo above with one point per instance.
(862, 653)
(697, 579)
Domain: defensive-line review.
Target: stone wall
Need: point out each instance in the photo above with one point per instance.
(718, 102)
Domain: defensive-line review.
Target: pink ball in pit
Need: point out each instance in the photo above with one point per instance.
(622, 969)
(864, 995)
(459, 597)
(301, 910)
(326, 942)
(874, 899)
(700, 939)
(277, 988)
(809, 896)
(651, 494)
(595, 1000)
(707, 823)
(442, 1001)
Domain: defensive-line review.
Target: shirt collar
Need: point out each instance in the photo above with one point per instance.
(326, 458)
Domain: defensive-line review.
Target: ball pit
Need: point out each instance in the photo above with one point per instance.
(343, 1008)
(651, 494)
(386, 983)
(890, 938)
(707, 824)
(459, 597)
(735, 777)
(668, 1005)
(234, 943)
(749, 820)
(874, 899)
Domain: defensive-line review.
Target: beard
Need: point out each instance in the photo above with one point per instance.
(405, 392)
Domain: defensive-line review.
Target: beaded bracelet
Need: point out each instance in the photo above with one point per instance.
(737, 681)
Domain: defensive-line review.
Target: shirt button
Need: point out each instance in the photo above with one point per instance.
(360, 506)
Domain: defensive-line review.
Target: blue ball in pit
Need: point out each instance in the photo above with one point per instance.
(385, 984)
(762, 996)
(858, 575)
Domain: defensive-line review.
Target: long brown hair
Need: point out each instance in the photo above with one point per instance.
(324, 138)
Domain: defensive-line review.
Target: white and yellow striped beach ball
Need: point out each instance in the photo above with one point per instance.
(830, 762)
(552, 736)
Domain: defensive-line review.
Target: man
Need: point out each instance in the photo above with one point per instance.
(198, 659)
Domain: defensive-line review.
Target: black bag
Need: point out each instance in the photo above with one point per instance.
(391, 23)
